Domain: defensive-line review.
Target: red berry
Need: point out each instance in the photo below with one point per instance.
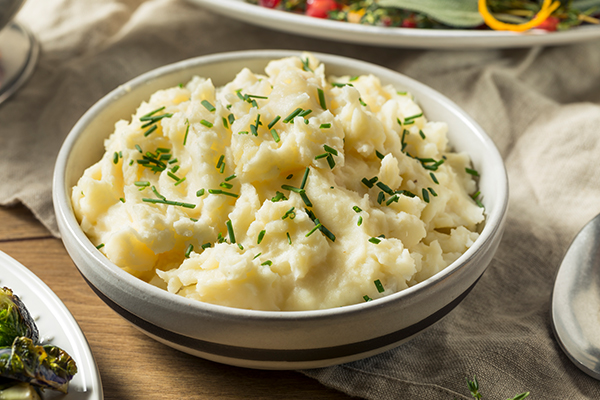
(409, 22)
(320, 8)
(550, 24)
(269, 3)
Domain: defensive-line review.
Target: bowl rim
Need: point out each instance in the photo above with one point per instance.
(69, 226)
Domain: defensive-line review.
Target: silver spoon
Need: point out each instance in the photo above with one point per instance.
(576, 300)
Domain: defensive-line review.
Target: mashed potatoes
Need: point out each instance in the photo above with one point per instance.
(285, 191)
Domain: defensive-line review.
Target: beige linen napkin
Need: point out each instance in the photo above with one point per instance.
(540, 106)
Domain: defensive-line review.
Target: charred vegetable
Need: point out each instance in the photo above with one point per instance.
(22, 358)
(44, 366)
(15, 320)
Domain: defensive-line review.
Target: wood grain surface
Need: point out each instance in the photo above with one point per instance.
(132, 365)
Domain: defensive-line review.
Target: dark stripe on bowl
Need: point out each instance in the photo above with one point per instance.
(275, 355)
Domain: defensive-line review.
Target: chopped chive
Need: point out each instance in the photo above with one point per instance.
(412, 117)
(360, 220)
(258, 123)
(292, 188)
(361, 101)
(379, 286)
(256, 256)
(321, 95)
(175, 168)
(256, 96)
(380, 197)
(160, 196)
(402, 93)
(304, 178)
(150, 130)
(254, 103)
(367, 298)
(208, 106)
(193, 219)
(253, 130)
(206, 246)
(180, 181)
(169, 202)
(325, 126)
(151, 113)
(327, 233)
(367, 183)
(101, 245)
(206, 123)
(230, 231)
(200, 193)
(305, 199)
(293, 115)
(330, 150)
(162, 150)
(240, 95)
(189, 250)
(173, 161)
(230, 177)
(406, 193)
(392, 199)
(402, 142)
(318, 226)
(141, 183)
(468, 170)
(434, 178)
(242, 132)
(225, 122)
(375, 240)
(275, 135)
(187, 130)
(261, 236)
(379, 155)
(231, 119)
(275, 120)
(220, 162)
(425, 195)
(130, 162)
(116, 158)
(173, 176)
(304, 113)
(290, 176)
(352, 79)
(421, 134)
(268, 262)
(219, 191)
(138, 148)
(356, 209)
(289, 238)
(432, 191)
(305, 65)
(336, 84)
(399, 122)
(289, 213)
(222, 169)
(226, 185)
(385, 188)
(122, 200)
(330, 160)
(409, 122)
(278, 197)
(321, 156)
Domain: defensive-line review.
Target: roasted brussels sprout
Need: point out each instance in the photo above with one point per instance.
(15, 320)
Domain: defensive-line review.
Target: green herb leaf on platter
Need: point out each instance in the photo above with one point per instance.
(456, 13)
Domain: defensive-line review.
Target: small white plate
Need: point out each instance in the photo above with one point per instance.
(393, 37)
(56, 325)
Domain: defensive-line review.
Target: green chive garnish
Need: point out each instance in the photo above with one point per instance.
(421, 134)
(375, 240)
(206, 123)
(169, 202)
(330, 150)
(187, 130)
(219, 191)
(290, 176)
(230, 231)
(189, 250)
(379, 155)
(200, 193)
(367, 298)
(138, 148)
(432, 191)
(292, 188)
(268, 262)
(261, 236)
(206, 246)
(379, 286)
(305, 65)
(318, 226)
(275, 135)
(151, 113)
(325, 126)
(289, 213)
(275, 120)
(289, 238)
(468, 170)
(425, 195)
(362, 102)
(385, 188)
(230, 177)
(433, 178)
(226, 185)
(293, 115)
(101, 245)
(150, 130)
(412, 117)
(321, 95)
(360, 220)
(225, 122)
(330, 160)
(208, 106)
(180, 181)
(141, 183)
(278, 197)
(304, 178)
(357, 209)
(321, 156)
(256, 256)
(116, 158)
(220, 162)
(231, 119)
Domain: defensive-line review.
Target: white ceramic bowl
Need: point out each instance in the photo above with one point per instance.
(266, 339)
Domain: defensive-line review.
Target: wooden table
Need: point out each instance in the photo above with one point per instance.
(132, 365)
